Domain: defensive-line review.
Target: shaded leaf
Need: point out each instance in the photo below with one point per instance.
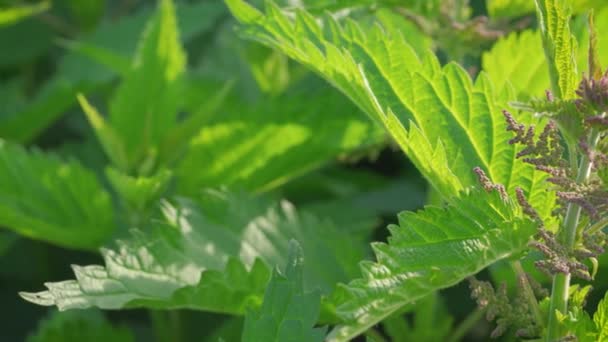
(288, 313)
(261, 146)
(214, 255)
(45, 198)
(81, 326)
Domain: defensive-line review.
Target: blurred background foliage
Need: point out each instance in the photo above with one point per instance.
(242, 116)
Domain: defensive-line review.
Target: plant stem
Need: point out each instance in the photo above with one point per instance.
(466, 325)
(599, 225)
(561, 282)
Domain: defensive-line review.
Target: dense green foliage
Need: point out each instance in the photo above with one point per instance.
(313, 170)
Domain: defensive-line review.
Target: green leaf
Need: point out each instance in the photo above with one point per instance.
(27, 119)
(509, 8)
(139, 192)
(11, 15)
(446, 123)
(214, 255)
(517, 60)
(146, 103)
(600, 318)
(261, 146)
(79, 70)
(82, 67)
(429, 250)
(112, 143)
(88, 325)
(431, 322)
(559, 44)
(44, 198)
(514, 8)
(288, 313)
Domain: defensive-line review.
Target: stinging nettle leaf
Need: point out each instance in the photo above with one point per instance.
(214, 254)
(445, 122)
(88, 325)
(559, 44)
(147, 101)
(429, 250)
(243, 149)
(44, 198)
(288, 313)
(600, 318)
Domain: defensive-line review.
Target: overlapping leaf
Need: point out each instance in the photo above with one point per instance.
(45, 198)
(560, 45)
(600, 318)
(288, 313)
(213, 255)
(79, 326)
(429, 250)
(255, 151)
(445, 122)
(518, 60)
(77, 72)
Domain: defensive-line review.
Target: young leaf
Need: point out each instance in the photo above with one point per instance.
(445, 122)
(88, 325)
(138, 192)
(45, 198)
(288, 313)
(212, 255)
(146, 103)
(429, 250)
(246, 149)
(600, 318)
(559, 44)
(518, 60)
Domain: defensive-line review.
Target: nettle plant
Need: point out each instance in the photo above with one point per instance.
(520, 181)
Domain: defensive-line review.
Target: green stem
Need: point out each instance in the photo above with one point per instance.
(466, 325)
(597, 226)
(561, 282)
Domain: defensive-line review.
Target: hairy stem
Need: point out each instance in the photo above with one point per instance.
(561, 282)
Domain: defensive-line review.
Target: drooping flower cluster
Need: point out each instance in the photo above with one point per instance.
(507, 314)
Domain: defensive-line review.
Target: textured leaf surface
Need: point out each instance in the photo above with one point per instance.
(212, 255)
(446, 123)
(518, 60)
(600, 318)
(79, 326)
(261, 146)
(429, 250)
(45, 198)
(560, 46)
(288, 313)
(146, 103)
